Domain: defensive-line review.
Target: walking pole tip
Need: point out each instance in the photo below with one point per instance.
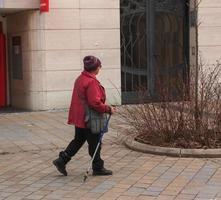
(85, 176)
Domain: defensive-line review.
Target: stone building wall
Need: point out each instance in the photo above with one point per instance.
(209, 30)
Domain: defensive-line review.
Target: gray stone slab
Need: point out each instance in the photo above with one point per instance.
(151, 193)
(155, 189)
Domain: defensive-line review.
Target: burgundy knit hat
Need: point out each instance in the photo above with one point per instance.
(91, 63)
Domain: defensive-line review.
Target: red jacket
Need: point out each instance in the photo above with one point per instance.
(87, 89)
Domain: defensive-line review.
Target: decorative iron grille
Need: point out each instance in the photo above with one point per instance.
(154, 53)
(133, 46)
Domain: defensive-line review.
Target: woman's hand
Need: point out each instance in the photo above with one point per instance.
(113, 109)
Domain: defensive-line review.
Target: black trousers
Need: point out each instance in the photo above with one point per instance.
(82, 135)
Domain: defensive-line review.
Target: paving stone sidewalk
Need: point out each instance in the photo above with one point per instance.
(30, 141)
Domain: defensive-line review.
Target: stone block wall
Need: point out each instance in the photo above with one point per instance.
(54, 44)
(74, 29)
(28, 92)
(209, 30)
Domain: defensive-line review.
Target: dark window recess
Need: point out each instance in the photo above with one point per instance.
(17, 72)
(129, 82)
(1, 27)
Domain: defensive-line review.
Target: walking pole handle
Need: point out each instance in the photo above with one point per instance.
(105, 127)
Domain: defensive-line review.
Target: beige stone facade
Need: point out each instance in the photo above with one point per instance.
(15, 5)
(54, 43)
(209, 30)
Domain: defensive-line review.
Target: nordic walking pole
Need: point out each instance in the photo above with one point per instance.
(101, 136)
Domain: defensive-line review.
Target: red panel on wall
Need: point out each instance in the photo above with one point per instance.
(3, 94)
(44, 5)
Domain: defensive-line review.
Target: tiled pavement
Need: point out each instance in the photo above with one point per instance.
(30, 141)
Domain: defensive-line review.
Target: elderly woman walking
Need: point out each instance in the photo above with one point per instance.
(87, 90)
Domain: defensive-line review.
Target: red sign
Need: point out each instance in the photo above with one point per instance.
(44, 5)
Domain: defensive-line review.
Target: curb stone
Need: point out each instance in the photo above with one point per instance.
(129, 142)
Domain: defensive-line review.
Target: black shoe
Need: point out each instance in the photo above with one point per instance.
(102, 172)
(60, 163)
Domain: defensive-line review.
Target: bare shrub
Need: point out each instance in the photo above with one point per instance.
(180, 123)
